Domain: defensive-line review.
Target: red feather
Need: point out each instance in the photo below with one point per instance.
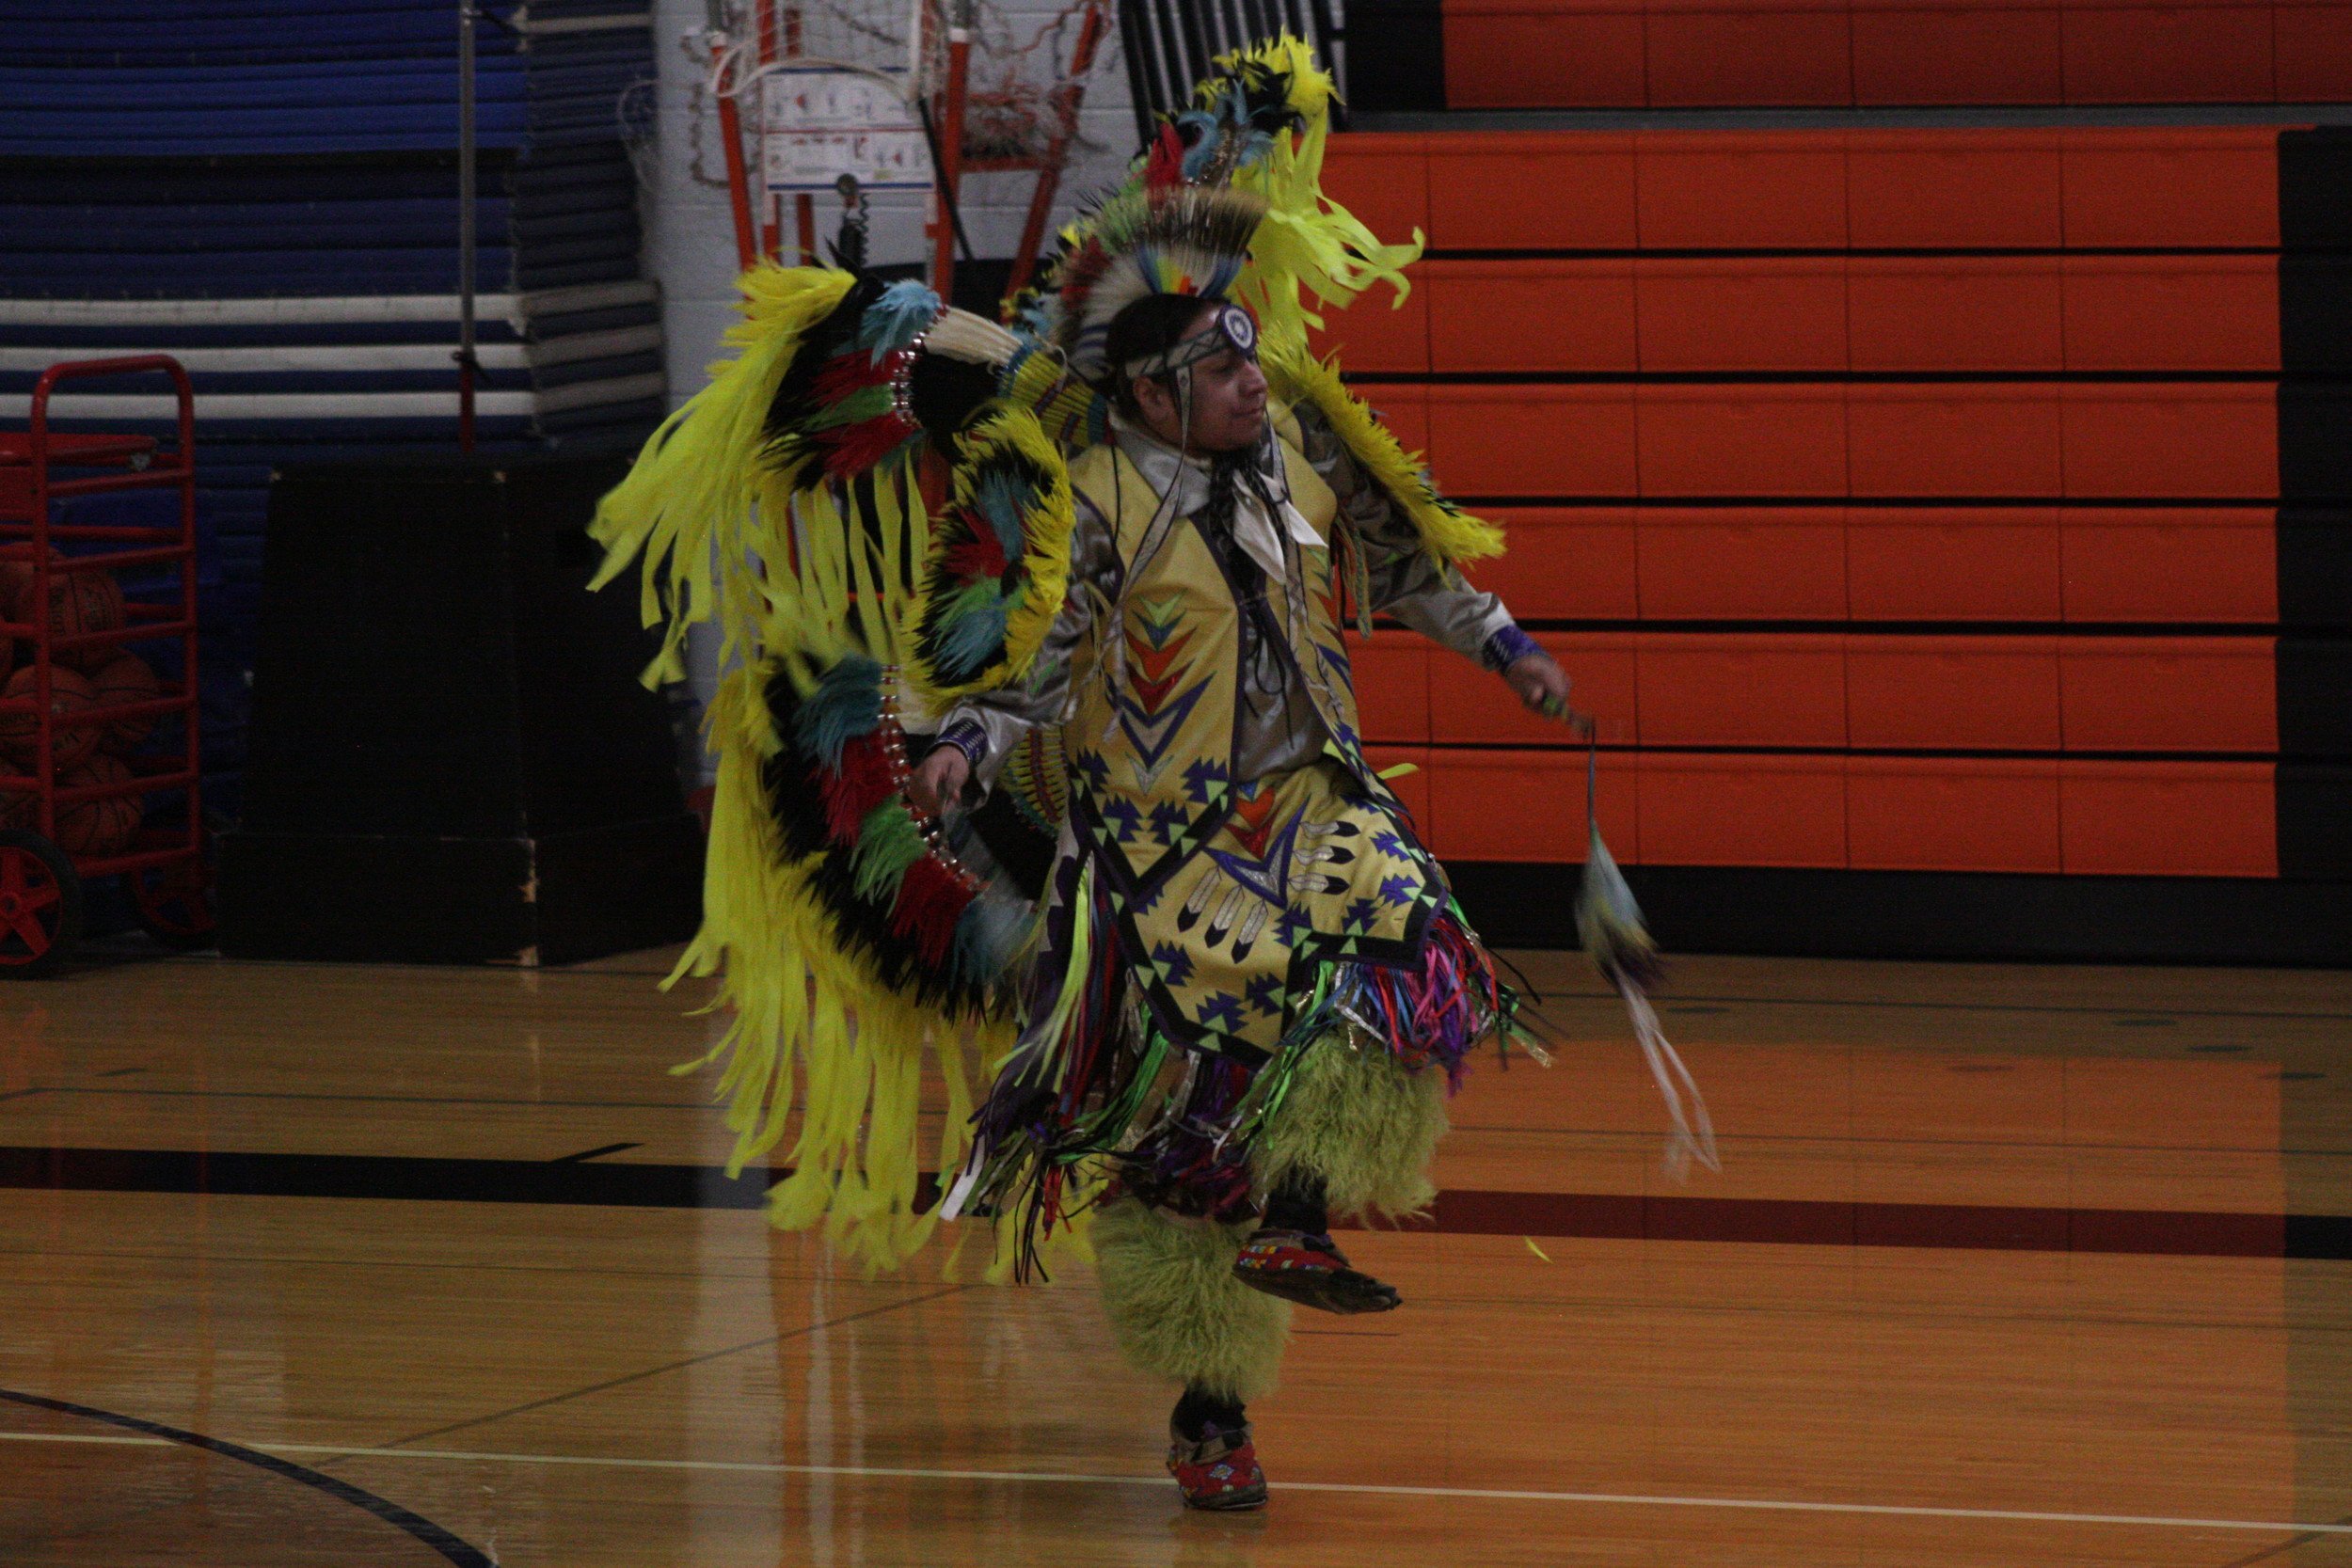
(1166, 163)
(851, 372)
(931, 899)
(864, 781)
(981, 556)
(852, 449)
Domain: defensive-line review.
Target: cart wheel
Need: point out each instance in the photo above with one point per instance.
(40, 906)
(175, 901)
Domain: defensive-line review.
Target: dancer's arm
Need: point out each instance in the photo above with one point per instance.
(1408, 582)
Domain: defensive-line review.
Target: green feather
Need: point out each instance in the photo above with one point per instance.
(887, 843)
(867, 402)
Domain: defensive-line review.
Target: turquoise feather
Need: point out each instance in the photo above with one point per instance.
(847, 704)
(1001, 498)
(895, 320)
(972, 632)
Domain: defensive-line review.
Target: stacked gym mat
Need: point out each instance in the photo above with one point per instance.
(1944, 514)
(268, 190)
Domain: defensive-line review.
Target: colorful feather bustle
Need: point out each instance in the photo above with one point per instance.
(853, 949)
(999, 561)
(851, 953)
(1448, 533)
(828, 1039)
(899, 900)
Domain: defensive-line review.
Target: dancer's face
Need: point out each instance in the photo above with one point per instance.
(1228, 400)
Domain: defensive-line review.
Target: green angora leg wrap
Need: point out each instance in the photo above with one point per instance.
(1354, 1116)
(1175, 1307)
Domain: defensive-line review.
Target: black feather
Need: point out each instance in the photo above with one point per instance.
(945, 395)
(784, 442)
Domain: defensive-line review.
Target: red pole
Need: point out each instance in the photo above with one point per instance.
(739, 183)
(1066, 98)
(951, 169)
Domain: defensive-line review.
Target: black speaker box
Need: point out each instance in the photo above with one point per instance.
(451, 757)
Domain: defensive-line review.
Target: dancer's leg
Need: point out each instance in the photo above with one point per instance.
(1177, 1311)
(1358, 1122)
(1354, 1136)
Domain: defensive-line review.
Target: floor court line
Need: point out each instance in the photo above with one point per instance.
(1467, 1493)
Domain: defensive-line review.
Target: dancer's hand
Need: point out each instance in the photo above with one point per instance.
(1543, 686)
(938, 781)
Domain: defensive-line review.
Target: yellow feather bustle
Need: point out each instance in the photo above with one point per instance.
(1448, 534)
(793, 586)
(809, 1026)
(693, 501)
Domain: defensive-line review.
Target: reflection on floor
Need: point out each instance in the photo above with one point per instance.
(478, 1289)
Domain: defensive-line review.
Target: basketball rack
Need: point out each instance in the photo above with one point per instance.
(165, 869)
(924, 50)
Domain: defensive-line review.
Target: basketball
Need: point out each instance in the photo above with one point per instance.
(103, 827)
(81, 602)
(68, 693)
(16, 575)
(125, 678)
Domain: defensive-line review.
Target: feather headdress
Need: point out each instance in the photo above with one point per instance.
(1151, 240)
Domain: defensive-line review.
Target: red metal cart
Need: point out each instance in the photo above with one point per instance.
(165, 869)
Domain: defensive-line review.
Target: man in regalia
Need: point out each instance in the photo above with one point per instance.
(1038, 758)
(1271, 910)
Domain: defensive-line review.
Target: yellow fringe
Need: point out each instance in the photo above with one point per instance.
(1448, 534)
(691, 506)
(1307, 238)
(811, 1031)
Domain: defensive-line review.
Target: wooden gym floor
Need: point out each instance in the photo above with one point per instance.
(408, 1267)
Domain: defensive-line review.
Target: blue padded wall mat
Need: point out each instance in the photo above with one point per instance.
(270, 186)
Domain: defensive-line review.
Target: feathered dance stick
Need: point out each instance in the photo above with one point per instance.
(1609, 925)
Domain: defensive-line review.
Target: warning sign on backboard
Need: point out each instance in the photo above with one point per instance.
(821, 124)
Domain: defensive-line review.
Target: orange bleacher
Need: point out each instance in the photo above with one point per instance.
(1668, 53)
(1898, 500)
